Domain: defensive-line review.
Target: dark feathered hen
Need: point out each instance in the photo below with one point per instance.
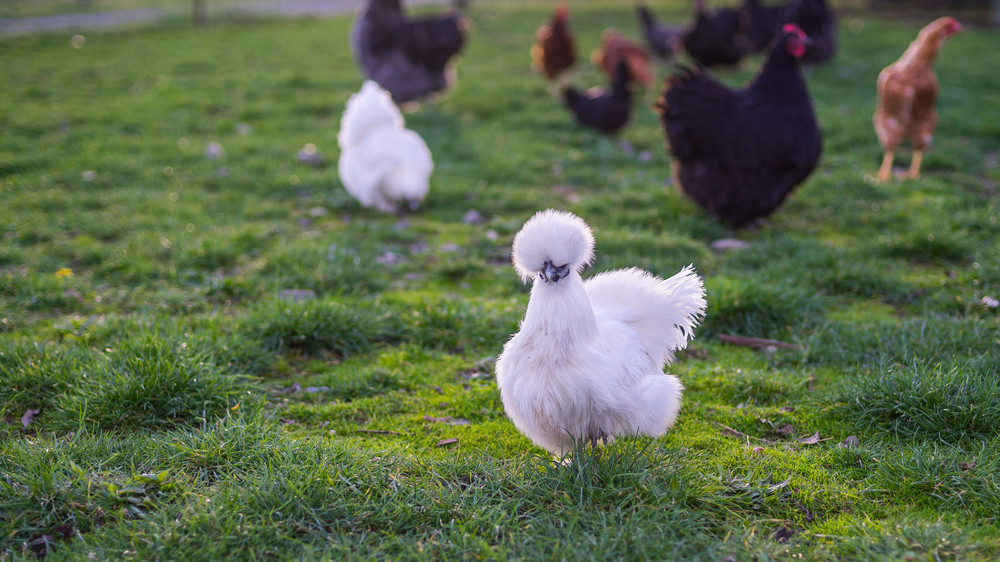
(554, 51)
(739, 153)
(406, 56)
(604, 109)
(664, 39)
(818, 21)
(717, 37)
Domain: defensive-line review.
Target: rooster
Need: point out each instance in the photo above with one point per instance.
(587, 363)
(406, 56)
(662, 38)
(606, 110)
(907, 91)
(739, 153)
(554, 51)
(615, 47)
(382, 164)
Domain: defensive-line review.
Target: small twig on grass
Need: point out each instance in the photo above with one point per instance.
(736, 433)
(381, 432)
(756, 343)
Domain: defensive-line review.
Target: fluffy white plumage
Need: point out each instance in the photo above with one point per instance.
(382, 164)
(587, 363)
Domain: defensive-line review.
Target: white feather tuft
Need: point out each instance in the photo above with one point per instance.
(557, 236)
(369, 109)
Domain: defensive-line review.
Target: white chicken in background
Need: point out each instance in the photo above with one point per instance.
(587, 363)
(382, 164)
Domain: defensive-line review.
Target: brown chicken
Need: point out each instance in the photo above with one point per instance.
(554, 50)
(907, 91)
(615, 47)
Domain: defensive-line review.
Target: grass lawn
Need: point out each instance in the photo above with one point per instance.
(230, 357)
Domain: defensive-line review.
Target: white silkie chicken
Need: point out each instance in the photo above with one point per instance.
(381, 164)
(587, 363)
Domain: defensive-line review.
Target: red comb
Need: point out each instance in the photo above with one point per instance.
(792, 28)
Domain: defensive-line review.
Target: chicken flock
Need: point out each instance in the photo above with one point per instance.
(586, 364)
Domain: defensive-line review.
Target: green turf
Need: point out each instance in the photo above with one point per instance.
(230, 357)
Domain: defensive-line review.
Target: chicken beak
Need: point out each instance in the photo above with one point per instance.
(553, 273)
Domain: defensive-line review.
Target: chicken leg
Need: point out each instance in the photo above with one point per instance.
(885, 170)
(914, 171)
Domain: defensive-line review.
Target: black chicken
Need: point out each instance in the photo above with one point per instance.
(408, 57)
(604, 109)
(739, 153)
(717, 37)
(663, 39)
(819, 22)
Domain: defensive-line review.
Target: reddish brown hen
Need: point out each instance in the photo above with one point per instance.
(554, 51)
(907, 91)
(615, 47)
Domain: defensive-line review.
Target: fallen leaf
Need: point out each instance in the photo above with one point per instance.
(448, 420)
(214, 150)
(28, 416)
(41, 541)
(309, 155)
(445, 442)
(788, 409)
(315, 389)
(66, 531)
(381, 432)
(850, 442)
(291, 389)
(785, 429)
(472, 217)
(727, 244)
(966, 465)
(782, 534)
(756, 343)
(698, 353)
(757, 449)
(811, 440)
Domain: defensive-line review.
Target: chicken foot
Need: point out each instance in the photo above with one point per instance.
(885, 170)
(914, 171)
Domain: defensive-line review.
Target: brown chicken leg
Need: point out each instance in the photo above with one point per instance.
(914, 172)
(885, 170)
